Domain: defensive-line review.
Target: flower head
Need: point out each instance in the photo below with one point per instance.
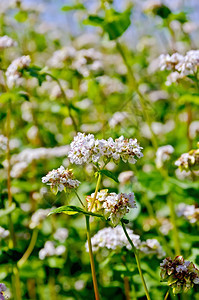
(86, 149)
(60, 180)
(180, 274)
(113, 206)
(2, 290)
(189, 161)
(113, 239)
(14, 71)
(7, 42)
(163, 154)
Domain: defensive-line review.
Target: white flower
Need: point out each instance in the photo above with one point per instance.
(61, 234)
(113, 206)
(50, 250)
(151, 247)
(38, 217)
(3, 142)
(169, 62)
(125, 177)
(85, 149)
(163, 154)
(3, 233)
(113, 239)
(7, 42)
(60, 180)
(189, 161)
(189, 212)
(60, 56)
(117, 118)
(13, 72)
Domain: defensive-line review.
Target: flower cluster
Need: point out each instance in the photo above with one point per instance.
(38, 217)
(60, 180)
(85, 149)
(21, 161)
(61, 234)
(189, 212)
(113, 206)
(2, 290)
(14, 73)
(163, 154)
(179, 64)
(113, 239)
(117, 118)
(180, 274)
(3, 142)
(7, 42)
(189, 161)
(151, 247)
(3, 233)
(50, 250)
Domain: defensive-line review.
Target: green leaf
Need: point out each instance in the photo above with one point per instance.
(21, 16)
(118, 24)
(109, 174)
(114, 23)
(73, 7)
(189, 98)
(6, 97)
(71, 210)
(7, 211)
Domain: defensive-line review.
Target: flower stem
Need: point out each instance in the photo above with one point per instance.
(96, 190)
(29, 249)
(137, 261)
(97, 297)
(78, 197)
(166, 296)
(175, 229)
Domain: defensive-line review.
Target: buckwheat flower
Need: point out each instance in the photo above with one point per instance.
(113, 239)
(152, 247)
(118, 118)
(180, 275)
(189, 212)
(194, 129)
(2, 290)
(167, 62)
(38, 217)
(189, 64)
(61, 234)
(85, 149)
(3, 143)
(7, 42)
(172, 78)
(13, 72)
(60, 56)
(125, 177)
(113, 206)
(163, 154)
(60, 180)
(3, 233)
(188, 161)
(50, 250)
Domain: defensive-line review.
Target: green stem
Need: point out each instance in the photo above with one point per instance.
(175, 229)
(78, 197)
(96, 190)
(29, 249)
(12, 242)
(141, 97)
(136, 253)
(166, 296)
(65, 99)
(97, 297)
